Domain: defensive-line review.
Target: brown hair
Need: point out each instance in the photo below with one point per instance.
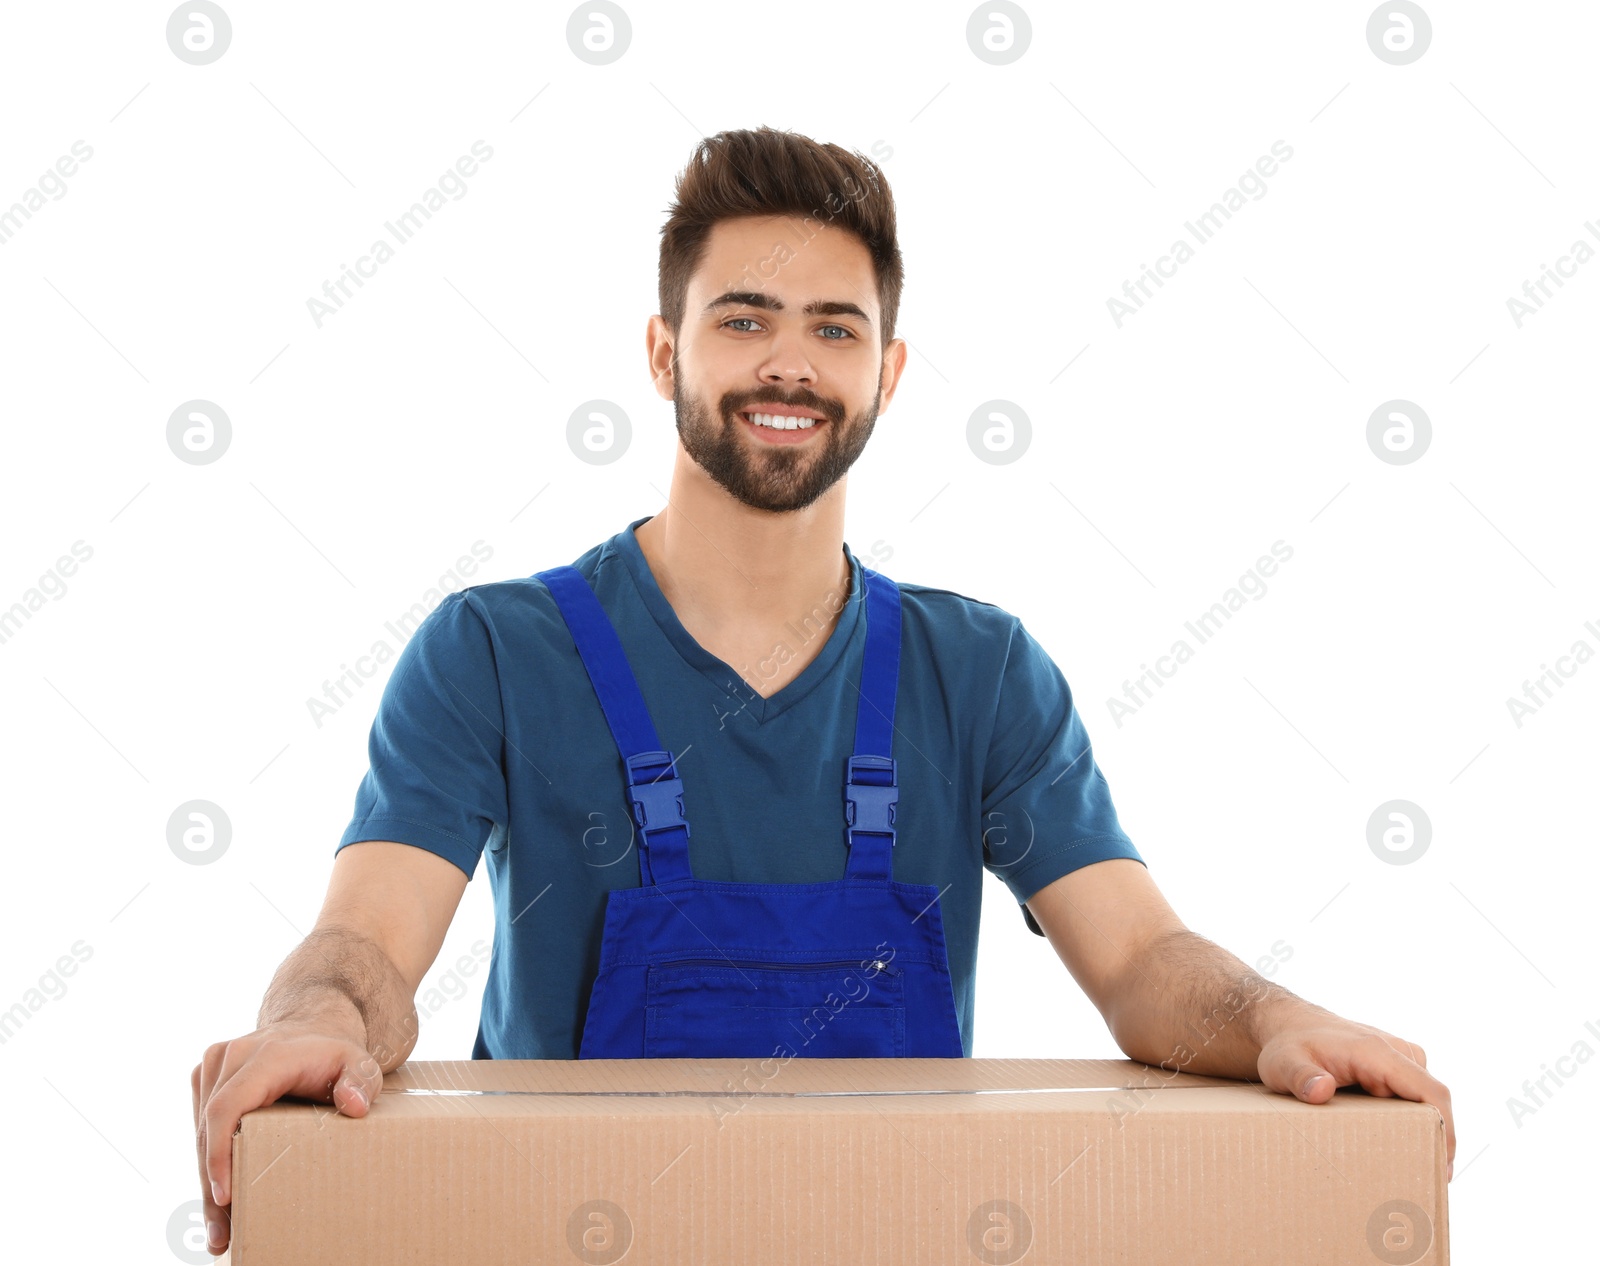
(764, 171)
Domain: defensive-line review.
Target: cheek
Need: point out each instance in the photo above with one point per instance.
(709, 373)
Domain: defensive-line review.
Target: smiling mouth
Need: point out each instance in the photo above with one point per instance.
(780, 421)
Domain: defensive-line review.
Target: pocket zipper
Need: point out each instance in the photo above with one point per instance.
(883, 965)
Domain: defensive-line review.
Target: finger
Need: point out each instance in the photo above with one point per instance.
(1420, 1086)
(222, 1061)
(319, 1070)
(1379, 1068)
(216, 1220)
(1374, 1064)
(1382, 1070)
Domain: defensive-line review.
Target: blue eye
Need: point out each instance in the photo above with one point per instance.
(732, 321)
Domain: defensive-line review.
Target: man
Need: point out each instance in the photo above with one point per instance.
(830, 745)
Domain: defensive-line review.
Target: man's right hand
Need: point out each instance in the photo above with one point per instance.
(388, 908)
(319, 1058)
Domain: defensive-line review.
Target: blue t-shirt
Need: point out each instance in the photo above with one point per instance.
(489, 736)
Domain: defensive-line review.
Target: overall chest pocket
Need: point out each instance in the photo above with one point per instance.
(714, 1008)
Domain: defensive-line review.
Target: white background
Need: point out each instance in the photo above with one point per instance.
(1231, 412)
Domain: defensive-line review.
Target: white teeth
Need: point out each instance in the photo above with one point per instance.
(781, 423)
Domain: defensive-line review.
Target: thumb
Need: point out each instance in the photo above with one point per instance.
(1296, 1073)
(357, 1086)
(1312, 1084)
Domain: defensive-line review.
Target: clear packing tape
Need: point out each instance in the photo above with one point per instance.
(789, 1094)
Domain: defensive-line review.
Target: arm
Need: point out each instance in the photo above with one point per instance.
(339, 1012)
(382, 923)
(1173, 999)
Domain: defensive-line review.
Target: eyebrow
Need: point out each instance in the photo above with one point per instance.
(756, 299)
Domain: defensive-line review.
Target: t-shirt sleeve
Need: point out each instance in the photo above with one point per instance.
(1047, 808)
(436, 752)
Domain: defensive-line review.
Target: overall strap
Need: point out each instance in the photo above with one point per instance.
(655, 791)
(870, 791)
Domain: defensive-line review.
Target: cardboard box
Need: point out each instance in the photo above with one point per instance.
(696, 1162)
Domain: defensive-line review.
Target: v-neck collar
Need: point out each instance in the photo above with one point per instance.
(717, 671)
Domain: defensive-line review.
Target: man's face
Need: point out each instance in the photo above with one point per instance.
(747, 341)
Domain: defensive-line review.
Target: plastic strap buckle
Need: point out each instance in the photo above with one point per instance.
(657, 801)
(869, 805)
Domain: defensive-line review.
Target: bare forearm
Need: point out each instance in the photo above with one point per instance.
(1187, 1003)
(341, 979)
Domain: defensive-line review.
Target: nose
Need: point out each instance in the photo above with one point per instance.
(787, 362)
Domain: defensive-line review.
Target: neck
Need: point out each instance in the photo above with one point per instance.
(724, 565)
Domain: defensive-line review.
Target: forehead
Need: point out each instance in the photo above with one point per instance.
(793, 259)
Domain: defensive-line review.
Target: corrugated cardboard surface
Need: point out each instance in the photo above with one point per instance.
(837, 1160)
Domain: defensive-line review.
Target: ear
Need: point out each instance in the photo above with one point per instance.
(658, 346)
(894, 364)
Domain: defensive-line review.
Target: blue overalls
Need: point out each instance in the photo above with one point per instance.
(692, 968)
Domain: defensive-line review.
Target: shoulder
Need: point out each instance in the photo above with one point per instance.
(523, 605)
(979, 642)
(948, 617)
(968, 645)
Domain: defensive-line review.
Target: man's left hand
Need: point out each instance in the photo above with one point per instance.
(1313, 1052)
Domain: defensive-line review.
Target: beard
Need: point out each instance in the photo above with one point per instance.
(770, 476)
